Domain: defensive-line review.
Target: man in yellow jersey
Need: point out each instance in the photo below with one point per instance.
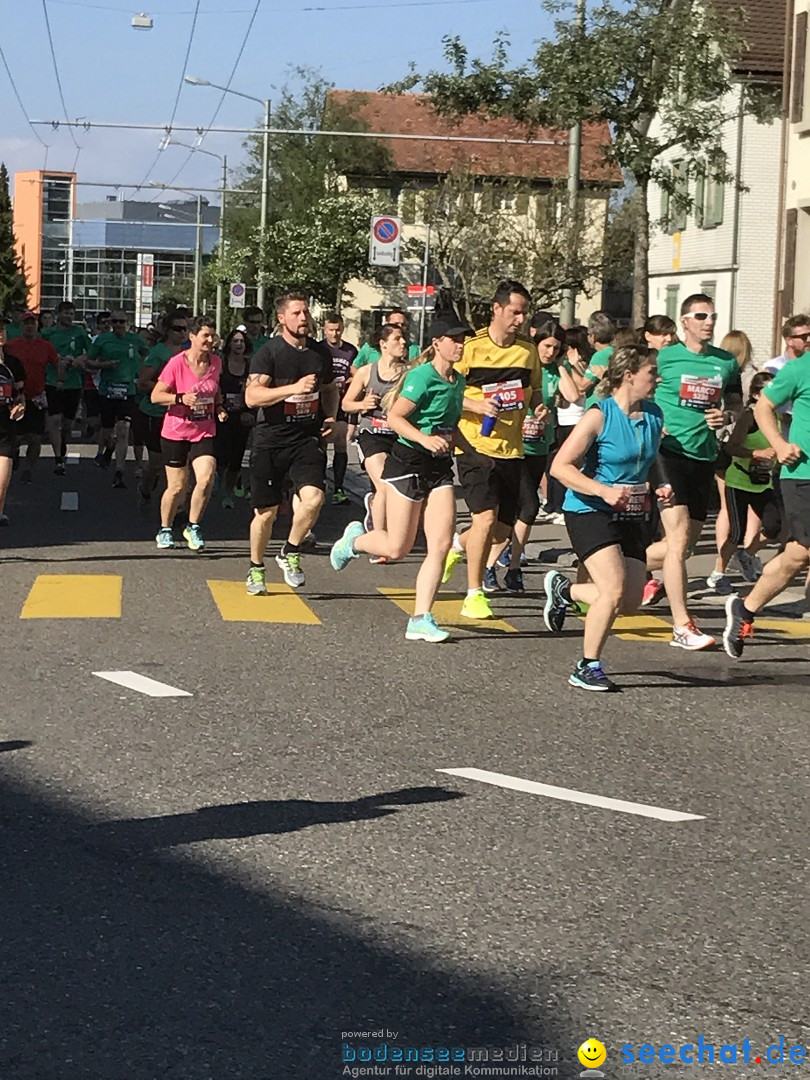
(504, 377)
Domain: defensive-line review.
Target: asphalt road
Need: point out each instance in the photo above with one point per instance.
(227, 885)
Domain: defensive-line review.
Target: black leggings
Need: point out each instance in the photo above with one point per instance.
(531, 473)
(556, 492)
(764, 505)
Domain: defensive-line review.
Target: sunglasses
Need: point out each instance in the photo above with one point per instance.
(701, 316)
(179, 329)
(118, 322)
(801, 337)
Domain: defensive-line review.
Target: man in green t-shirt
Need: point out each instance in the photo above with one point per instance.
(117, 355)
(63, 385)
(790, 385)
(697, 382)
(254, 328)
(369, 354)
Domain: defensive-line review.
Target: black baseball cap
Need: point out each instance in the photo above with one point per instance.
(448, 326)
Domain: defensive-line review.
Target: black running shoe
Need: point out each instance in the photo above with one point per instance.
(590, 676)
(738, 628)
(558, 600)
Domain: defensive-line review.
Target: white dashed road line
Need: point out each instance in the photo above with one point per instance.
(144, 685)
(70, 500)
(570, 795)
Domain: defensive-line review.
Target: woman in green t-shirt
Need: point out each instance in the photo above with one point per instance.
(423, 410)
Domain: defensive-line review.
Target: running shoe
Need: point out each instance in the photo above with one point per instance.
(60, 468)
(378, 560)
(4, 520)
(719, 583)
(255, 583)
(755, 559)
(239, 492)
(165, 538)
(490, 583)
(138, 473)
(291, 567)
(738, 628)
(590, 676)
(309, 543)
(339, 496)
(558, 600)
(476, 606)
(99, 459)
(450, 563)
(690, 638)
(424, 628)
(556, 519)
(118, 479)
(343, 550)
(193, 537)
(747, 565)
(513, 580)
(227, 502)
(505, 557)
(368, 520)
(652, 592)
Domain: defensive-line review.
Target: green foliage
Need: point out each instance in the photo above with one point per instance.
(13, 286)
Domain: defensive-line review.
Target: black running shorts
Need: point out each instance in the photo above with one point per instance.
(413, 475)
(692, 482)
(596, 529)
(302, 462)
(796, 501)
(178, 453)
(490, 483)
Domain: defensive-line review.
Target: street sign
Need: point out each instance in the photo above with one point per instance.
(144, 289)
(236, 295)
(421, 298)
(385, 241)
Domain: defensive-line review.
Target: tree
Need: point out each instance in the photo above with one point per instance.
(669, 60)
(483, 230)
(13, 286)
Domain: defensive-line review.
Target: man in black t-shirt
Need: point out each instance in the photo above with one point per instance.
(291, 385)
(343, 354)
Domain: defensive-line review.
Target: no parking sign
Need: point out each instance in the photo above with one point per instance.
(237, 294)
(385, 241)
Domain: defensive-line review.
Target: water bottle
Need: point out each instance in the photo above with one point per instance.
(488, 423)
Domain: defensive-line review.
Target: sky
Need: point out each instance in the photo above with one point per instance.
(114, 73)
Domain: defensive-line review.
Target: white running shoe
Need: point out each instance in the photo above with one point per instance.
(690, 638)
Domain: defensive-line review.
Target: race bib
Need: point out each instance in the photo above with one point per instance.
(533, 428)
(510, 394)
(638, 505)
(233, 402)
(339, 381)
(701, 392)
(380, 426)
(448, 433)
(300, 407)
(6, 391)
(203, 410)
(117, 391)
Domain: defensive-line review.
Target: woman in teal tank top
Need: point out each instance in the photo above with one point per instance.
(605, 464)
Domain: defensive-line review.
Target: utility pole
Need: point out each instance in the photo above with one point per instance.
(221, 239)
(198, 258)
(425, 265)
(265, 182)
(569, 296)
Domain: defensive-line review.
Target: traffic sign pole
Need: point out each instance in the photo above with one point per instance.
(425, 264)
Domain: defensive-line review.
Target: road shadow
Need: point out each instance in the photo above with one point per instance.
(120, 964)
(14, 744)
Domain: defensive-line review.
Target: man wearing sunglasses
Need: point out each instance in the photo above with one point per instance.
(699, 387)
(370, 354)
(796, 335)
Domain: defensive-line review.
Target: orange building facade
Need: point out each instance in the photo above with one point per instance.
(44, 207)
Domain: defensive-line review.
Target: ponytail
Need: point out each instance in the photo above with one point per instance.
(390, 396)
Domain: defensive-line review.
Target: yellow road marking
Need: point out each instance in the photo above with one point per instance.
(795, 628)
(281, 605)
(447, 612)
(74, 596)
(642, 628)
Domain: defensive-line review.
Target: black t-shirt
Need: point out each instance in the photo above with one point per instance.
(343, 357)
(300, 415)
(11, 372)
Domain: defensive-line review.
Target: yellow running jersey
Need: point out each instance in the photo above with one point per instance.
(509, 374)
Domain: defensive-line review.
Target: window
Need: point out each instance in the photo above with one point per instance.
(672, 302)
(715, 202)
(504, 199)
(709, 288)
(799, 58)
(674, 198)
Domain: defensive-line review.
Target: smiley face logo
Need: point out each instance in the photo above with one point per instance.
(592, 1054)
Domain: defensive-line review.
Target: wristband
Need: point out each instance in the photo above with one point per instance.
(178, 399)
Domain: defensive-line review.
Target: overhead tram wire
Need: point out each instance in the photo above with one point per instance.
(176, 98)
(23, 109)
(59, 81)
(224, 93)
(320, 9)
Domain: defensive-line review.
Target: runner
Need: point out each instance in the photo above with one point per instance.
(576, 364)
(660, 331)
(343, 354)
(748, 489)
(254, 326)
(364, 397)
(189, 386)
(233, 433)
(424, 409)
(90, 394)
(117, 355)
(538, 430)
(175, 333)
(35, 354)
(695, 377)
(504, 378)
(605, 464)
(63, 386)
(12, 410)
(370, 352)
(791, 384)
(290, 383)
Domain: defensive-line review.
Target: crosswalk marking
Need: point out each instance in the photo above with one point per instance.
(642, 628)
(447, 611)
(281, 605)
(70, 500)
(74, 596)
(794, 628)
(142, 683)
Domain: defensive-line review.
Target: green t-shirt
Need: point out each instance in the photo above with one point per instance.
(69, 342)
(13, 330)
(156, 358)
(691, 384)
(257, 342)
(600, 359)
(369, 355)
(118, 382)
(792, 383)
(539, 446)
(438, 402)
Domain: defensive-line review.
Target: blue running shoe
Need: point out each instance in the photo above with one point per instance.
(490, 583)
(343, 550)
(505, 557)
(424, 628)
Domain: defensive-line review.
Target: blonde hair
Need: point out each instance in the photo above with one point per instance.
(626, 360)
(390, 396)
(738, 343)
